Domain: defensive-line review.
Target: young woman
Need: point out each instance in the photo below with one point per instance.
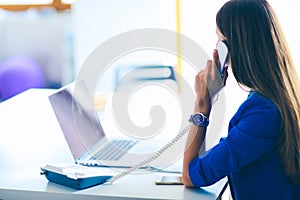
(261, 154)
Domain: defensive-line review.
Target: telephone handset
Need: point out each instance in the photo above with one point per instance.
(223, 55)
(151, 157)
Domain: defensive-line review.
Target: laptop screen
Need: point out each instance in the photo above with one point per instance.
(74, 110)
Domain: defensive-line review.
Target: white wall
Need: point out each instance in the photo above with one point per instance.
(288, 13)
(96, 21)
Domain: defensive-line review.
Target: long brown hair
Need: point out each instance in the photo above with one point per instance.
(261, 60)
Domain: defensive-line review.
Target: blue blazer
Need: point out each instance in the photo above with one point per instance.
(248, 155)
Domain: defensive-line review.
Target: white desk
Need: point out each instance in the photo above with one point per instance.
(31, 137)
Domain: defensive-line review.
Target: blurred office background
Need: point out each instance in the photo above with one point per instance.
(51, 39)
(58, 35)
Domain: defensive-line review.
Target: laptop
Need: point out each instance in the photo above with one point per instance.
(74, 109)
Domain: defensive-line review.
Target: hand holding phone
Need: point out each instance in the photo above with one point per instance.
(223, 55)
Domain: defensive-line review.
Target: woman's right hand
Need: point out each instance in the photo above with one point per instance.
(208, 82)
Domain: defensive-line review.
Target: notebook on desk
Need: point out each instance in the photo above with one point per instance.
(85, 135)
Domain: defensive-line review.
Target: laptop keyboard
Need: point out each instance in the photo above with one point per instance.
(114, 150)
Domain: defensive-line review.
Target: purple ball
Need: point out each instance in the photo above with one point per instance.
(19, 73)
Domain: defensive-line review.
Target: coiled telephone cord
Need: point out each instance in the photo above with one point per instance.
(151, 157)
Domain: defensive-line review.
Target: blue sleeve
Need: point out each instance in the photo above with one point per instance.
(253, 132)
